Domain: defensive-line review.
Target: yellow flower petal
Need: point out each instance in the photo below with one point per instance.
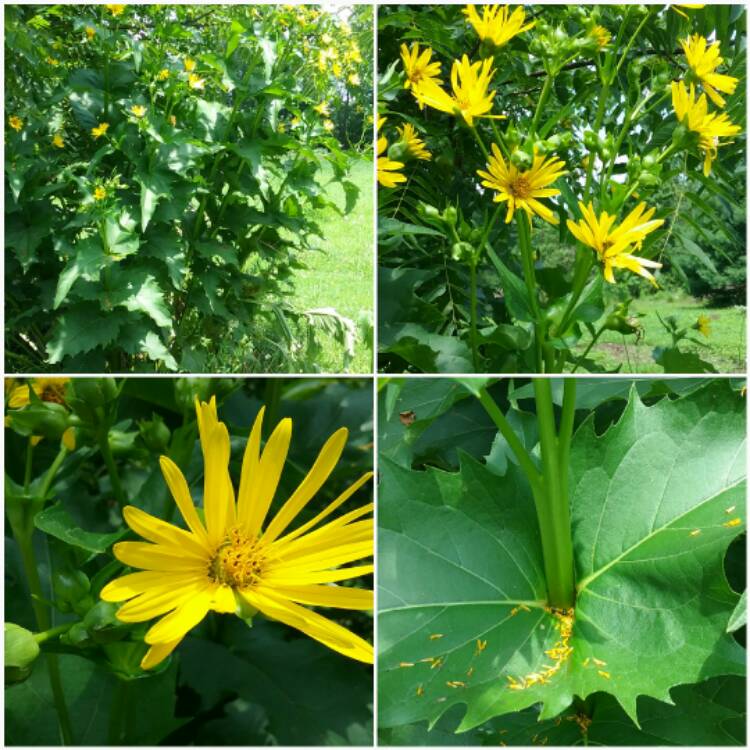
(327, 596)
(316, 626)
(181, 495)
(177, 624)
(154, 602)
(135, 584)
(324, 464)
(158, 653)
(160, 532)
(154, 557)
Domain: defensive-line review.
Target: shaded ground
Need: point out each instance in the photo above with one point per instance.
(725, 347)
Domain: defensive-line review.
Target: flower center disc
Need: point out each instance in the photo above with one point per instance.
(520, 188)
(238, 561)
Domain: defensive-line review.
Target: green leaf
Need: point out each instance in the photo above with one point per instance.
(82, 328)
(154, 186)
(90, 693)
(138, 290)
(86, 262)
(119, 237)
(515, 296)
(675, 361)
(739, 616)
(154, 347)
(653, 602)
(57, 522)
(429, 352)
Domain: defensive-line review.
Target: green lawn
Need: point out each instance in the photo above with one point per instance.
(725, 347)
(340, 274)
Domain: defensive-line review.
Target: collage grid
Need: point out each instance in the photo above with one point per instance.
(375, 374)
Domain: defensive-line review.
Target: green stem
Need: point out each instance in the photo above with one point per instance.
(272, 398)
(594, 339)
(52, 472)
(473, 129)
(47, 635)
(579, 282)
(555, 517)
(546, 89)
(114, 475)
(473, 308)
(28, 558)
(27, 469)
(527, 258)
(521, 454)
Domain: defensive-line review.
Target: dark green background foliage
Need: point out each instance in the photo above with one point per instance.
(424, 316)
(455, 509)
(227, 684)
(206, 215)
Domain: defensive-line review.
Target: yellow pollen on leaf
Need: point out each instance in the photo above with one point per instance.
(730, 509)
(599, 662)
(695, 532)
(603, 674)
(732, 523)
(481, 646)
(436, 636)
(406, 664)
(420, 691)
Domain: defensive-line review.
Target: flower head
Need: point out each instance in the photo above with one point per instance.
(90, 32)
(470, 97)
(100, 193)
(115, 10)
(690, 6)
(238, 559)
(613, 245)
(189, 64)
(497, 24)
(703, 59)
(15, 122)
(322, 109)
(417, 66)
(57, 141)
(47, 389)
(703, 325)
(413, 143)
(138, 110)
(328, 125)
(354, 79)
(522, 189)
(601, 36)
(163, 74)
(196, 82)
(100, 129)
(389, 174)
(694, 115)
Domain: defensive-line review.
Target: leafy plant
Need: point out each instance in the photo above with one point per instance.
(79, 451)
(571, 578)
(163, 166)
(530, 155)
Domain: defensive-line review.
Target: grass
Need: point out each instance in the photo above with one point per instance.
(340, 274)
(725, 347)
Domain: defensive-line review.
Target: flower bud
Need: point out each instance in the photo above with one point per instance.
(521, 159)
(462, 252)
(42, 418)
(95, 391)
(21, 651)
(186, 389)
(154, 433)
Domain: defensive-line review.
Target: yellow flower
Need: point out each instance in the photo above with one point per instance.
(69, 439)
(90, 32)
(173, 120)
(613, 245)
(281, 128)
(695, 117)
(322, 109)
(52, 61)
(703, 325)
(497, 24)
(418, 67)
(189, 64)
(196, 82)
(470, 97)
(522, 189)
(388, 170)
(601, 35)
(337, 70)
(354, 79)
(138, 110)
(232, 564)
(703, 59)
(689, 6)
(15, 122)
(57, 141)
(353, 54)
(414, 145)
(47, 389)
(328, 125)
(100, 129)
(115, 10)
(163, 74)
(100, 193)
